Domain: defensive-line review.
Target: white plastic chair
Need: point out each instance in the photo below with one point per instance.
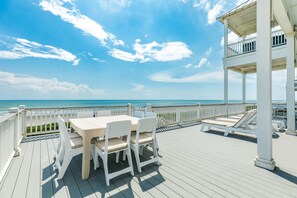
(103, 113)
(145, 134)
(85, 114)
(114, 143)
(150, 114)
(138, 114)
(69, 149)
(71, 135)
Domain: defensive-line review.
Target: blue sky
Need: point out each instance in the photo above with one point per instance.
(116, 49)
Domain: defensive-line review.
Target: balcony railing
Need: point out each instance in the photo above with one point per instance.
(21, 122)
(250, 45)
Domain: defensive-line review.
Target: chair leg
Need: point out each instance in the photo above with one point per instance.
(157, 144)
(117, 157)
(226, 133)
(57, 149)
(94, 156)
(141, 150)
(65, 164)
(130, 161)
(136, 153)
(59, 157)
(105, 164)
(156, 153)
(124, 155)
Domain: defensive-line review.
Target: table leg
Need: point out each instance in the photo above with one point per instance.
(86, 158)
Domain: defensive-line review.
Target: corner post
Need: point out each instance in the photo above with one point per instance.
(290, 92)
(130, 109)
(264, 97)
(17, 149)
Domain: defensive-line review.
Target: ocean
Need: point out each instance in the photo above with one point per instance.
(6, 104)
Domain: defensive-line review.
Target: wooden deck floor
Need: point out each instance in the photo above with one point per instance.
(194, 164)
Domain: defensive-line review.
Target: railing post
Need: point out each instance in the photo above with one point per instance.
(177, 115)
(198, 112)
(24, 121)
(130, 109)
(17, 150)
(148, 107)
(227, 109)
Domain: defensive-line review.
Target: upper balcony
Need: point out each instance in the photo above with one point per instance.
(250, 45)
(242, 20)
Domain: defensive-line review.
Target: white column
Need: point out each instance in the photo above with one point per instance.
(225, 38)
(264, 104)
(243, 88)
(291, 83)
(225, 85)
(225, 56)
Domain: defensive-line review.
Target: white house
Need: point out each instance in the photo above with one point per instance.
(267, 31)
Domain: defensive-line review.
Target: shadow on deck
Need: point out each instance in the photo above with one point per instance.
(194, 164)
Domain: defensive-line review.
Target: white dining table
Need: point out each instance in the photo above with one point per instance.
(89, 128)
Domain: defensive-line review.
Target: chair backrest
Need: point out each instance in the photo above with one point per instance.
(105, 112)
(246, 118)
(150, 114)
(117, 129)
(64, 137)
(138, 114)
(85, 114)
(146, 125)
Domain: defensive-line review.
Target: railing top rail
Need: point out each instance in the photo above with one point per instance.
(254, 37)
(189, 105)
(6, 117)
(76, 107)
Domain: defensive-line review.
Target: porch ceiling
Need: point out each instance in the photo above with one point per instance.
(241, 19)
(277, 64)
(292, 9)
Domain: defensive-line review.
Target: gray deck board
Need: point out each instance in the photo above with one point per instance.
(33, 189)
(194, 164)
(11, 178)
(21, 185)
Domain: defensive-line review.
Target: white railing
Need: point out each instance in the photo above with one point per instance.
(44, 120)
(249, 45)
(11, 133)
(168, 115)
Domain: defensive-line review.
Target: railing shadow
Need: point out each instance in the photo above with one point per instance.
(285, 175)
(239, 136)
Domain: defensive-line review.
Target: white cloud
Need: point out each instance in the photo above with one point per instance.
(154, 52)
(114, 5)
(141, 89)
(213, 10)
(119, 54)
(183, 1)
(138, 87)
(188, 65)
(200, 77)
(17, 48)
(68, 12)
(98, 60)
(240, 2)
(45, 87)
(202, 62)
